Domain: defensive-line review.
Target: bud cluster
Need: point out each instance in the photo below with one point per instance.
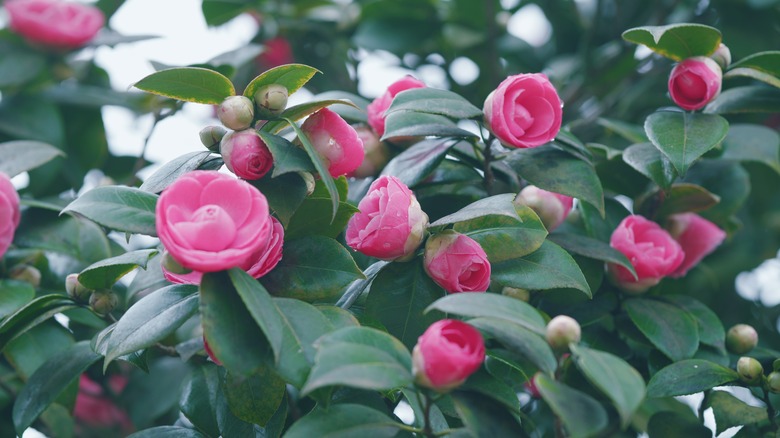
(102, 301)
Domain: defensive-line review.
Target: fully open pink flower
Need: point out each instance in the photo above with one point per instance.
(390, 223)
(457, 263)
(551, 207)
(55, 23)
(447, 354)
(335, 140)
(209, 221)
(650, 249)
(697, 236)
(694, 82)
(524, 111)
(246, 154)
(9, 212)
(376, 109)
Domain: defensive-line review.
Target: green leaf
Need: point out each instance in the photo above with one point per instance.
(711, 331)
(302, 324)
(483, 417)
(172, 170)
(676, 41)
(302, 110)
(549, 267)
(557, 171)
(764, 66)
(152, 319)
(669, 328)
(190, 84)
(618, 380)
(492, 306)
(727, 180)
(33, 313)
(746, 99)
(119, 208)
(688, 377)
(434, 101)
(167, 432)
(292, 76)
(684, 137)
(15, 295)
(398, 297)
(591, 248)
(18, 66)
(260, 305)
(667, 424)
(358, 287)
(650, 162)
(730, 411)
(105, 273)
(369, 337)
(344, 421)
(746, 142)
(631, 132)
(307, 219)
(680, 198)
(414, 124)
(413, 165)
(313, 268)
(198, 400)
(520, 340)
(284, 193)
(287, 157)
(582, 416)
(30, 350)
(217, 12)
(338, 317)
(254, 398)
(23, 155)
(48, 381)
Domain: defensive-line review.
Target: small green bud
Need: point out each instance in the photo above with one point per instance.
(210, 136)
(750, 370)
(271, 100)
(26, 273)
(236, 112)
(520, 294)
(773, 381)
(171, 265)
(741, 338)
(76, 290)
(562, 331)
(103, 301)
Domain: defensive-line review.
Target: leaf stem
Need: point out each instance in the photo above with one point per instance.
(770, 410)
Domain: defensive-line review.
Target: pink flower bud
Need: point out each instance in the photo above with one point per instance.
(695, 82)
(552, 208)
(276, 51)
(376, 154)
(524, 111)
(95, 408)
(650, 249)
(741, 338)
(54, 23)
(697, 236)
(76, 290)
(457, 263)
(376, 109)
(335, 140)
(390, 224)
(236, 112)
(562, 331)
(246, 154)
(447, 354)
(9, 212)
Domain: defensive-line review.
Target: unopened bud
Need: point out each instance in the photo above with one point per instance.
(210, 136)
(171, 265)
(236, 112)
(722, 56)
(27, 274)
(376, 153)
(517, 293)
(311, 183)
(562, 331)
(103, 301)
(76, 290)
(271, 100)
(750, 370)
(773, 381)
(741, 338)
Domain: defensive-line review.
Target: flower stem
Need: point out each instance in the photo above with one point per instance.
(489, 178)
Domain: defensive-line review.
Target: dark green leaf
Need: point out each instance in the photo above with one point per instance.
(676, 41)
(31, 117)
(730, 411)
(746, 99)
(167, 432)
(198, 400)
(307, 219)
(284, 193)
(15, 295)
(727, 180)
(190, 84)
(434, 101)
(764, 66)
(287, 156)
(255, 398)
(119, 208)
(23, 155)
(520, 340)
(344, 421)
(746, 142)
(666, 424)
(360, 286)
(18, 66)
(369, 337)
(680, 198)
(338, 317)
(650, 162)
(105, 273)
(217, 12)
(688, 377)
(30, 350)
(260, 305)
(292, 76)
(300, 111)
(172, 170)
(591, 248)
(302, 324)
(580, 413)
(33, 313)
(684, 137)
(711, 331)
(413, 124)
(415, 164)
(492, 306)
(483, 417)
(669, 328)
(632, 133)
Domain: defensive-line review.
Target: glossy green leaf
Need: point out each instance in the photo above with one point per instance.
(727, 180)
(684, 137)
(217, 12)
(99, 344)
(254, 398)
(520, 340)
(669, 328)
(344, 421)
(30, 350)
(313, 268)
(557, 171)
(549, 267)
(618, 380)
(730, 411)
(492, 305)
(33, 313)
(302, 324)
(434, 101)
(307, 219)
(172, 170)
(711, 331)
(167, 432)
(18, 66)
(490, 386)
(352, 114)
(763, 66)
(484, 417)
(369, 337)
(190, 84)
(650, 162)
(261, 306)
(757, 143)
(632, 133)
(198, 400)
(338, 317)
(106, 272)
(591, 248)
(152, 319)
(414, 124)
(417, 162)
(119, 208)
(302, 110)
(284, 193)
(398, 297)
(292, 76)
(15, 295)
(680, 198)
(746, 99)
(676, 41)
(358, 287)
(46, 384)
(287, 157)
(23, 155)
(666, 424)
(688, 377)
(582, 416)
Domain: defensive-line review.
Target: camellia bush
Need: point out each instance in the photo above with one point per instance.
(549, 250)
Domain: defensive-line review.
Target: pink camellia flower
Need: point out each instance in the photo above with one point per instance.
(376, 109)
(335, 140)
(524, 111)
(650, 249)
(695, 82)
(277, 51)
(447, 354)
(209, 221)
(54, 23)
(9, 212)
(246, 154)
(697, 236)
(94, 408)
(552, 208)
(390, 224)
(457, 262)
(376, 154)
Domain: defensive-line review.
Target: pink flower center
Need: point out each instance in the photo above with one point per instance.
(210, 228)
(691, 86)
